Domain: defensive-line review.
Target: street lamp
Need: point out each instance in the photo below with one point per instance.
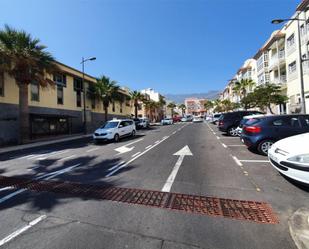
(301, 60)
(84, 89)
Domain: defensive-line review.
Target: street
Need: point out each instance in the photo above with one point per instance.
(192, 159)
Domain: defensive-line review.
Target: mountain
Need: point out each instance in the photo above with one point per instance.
(180, 98)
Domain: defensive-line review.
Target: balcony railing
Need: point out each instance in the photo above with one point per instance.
(280, 80)
(276, 59)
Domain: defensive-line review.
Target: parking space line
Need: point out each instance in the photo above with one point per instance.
(218, 137)
(254, 161)
(136, 154)
(237, 161)
(236, 145)
(224, 145)
(21, 230)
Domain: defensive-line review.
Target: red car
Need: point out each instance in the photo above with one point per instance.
(176, 119)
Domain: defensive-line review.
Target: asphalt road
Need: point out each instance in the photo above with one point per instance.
(210, 164)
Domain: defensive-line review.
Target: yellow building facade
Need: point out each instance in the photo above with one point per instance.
(58, 108)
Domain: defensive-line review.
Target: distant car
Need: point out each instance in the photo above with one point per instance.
(215, 118)
(245, 119)
(176, 119)
(261, 133)
(143, 123)
(290, 156)
(167, 121)
(115, 129)
(197, 119)
(228, 122)
(184, 119)
(189, 118)
(136, 121)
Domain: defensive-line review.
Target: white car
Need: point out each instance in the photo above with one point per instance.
(167, 121)
(290, 156)
(115, 129)
(197, 119)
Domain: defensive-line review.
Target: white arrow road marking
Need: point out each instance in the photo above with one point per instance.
(21, 230)
(185, 151)
(48, 177)
(125, 149)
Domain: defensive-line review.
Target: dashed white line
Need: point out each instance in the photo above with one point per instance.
(237, 161)
(254, 161)
(224, 145)
(21, 230)
(147, 147)
(158, 141)
(136, 154)
(218, 137)
(116, 166)
(174, 132)
(236, 145)
(93, 149)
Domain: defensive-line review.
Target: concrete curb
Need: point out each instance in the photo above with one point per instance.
(37, 144)
(299, 228)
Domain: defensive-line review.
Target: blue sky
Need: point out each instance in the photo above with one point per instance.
(173, 46)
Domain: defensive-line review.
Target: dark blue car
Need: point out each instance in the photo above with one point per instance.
(261, 133)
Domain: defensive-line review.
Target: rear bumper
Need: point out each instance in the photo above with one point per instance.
(248, 141)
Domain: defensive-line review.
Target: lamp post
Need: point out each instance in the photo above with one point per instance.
(84, 89)
(301, 60)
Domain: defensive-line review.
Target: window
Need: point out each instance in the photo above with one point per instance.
(59, 95)
(291, 41)
(278, 122)
(120, 106)
(292, 67)
(60, 79)
(306, 121)
(78, 98)
(2, 84)
(302, 30)
(295, 122)
(113, 106)
(35, 92)
(78, 84)
(93, 102)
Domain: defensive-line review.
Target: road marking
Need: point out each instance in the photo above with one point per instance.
(48, 177)
(214, 133)
(6, 188)
(158, 141)
(21, 230)
(134, 142)
(136, 154)
(93, 149)
(237, 161)
(134, 158)
(116, 166)
(185, 151)
(148, 147)
(174, 132)
(56, 153)
(66, 158)
(124, 149)
(254, 161)
(218, 137)
(236, 145)
(224, 145)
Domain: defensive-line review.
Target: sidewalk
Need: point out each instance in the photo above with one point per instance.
(41, 143)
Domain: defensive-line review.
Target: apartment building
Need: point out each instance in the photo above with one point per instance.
(56, 109)
(195, 106)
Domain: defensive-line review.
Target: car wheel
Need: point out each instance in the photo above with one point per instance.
(264, 146)
(133, 133)
(116, 138)
(232, 131)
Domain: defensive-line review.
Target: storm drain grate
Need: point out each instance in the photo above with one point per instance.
(259, 212)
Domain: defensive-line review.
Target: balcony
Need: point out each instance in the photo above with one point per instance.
(277, 59)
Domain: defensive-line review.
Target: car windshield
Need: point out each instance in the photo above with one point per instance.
(111, 124)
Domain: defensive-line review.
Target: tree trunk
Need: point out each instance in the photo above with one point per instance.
(24, 121)
(269, 108)
(105, 113)
(135, 110)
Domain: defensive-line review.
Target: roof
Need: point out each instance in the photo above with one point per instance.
(275, 35)
(279, 35)
(303, 5)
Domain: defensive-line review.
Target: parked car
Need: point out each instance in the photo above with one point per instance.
(245, 119)
(215, 118)
(176, 119)
(228, 122)
(197, 119)
(115, 129)
(261, 133)
(143, 123)
(290, 156)
(136, 121)
(184, 119)
(167, 121)
(187, 118)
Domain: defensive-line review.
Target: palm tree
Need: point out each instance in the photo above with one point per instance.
(241, 87)
(136, 96)
(26, 60)
(183, 108)
(171, 105)
(150, 106)
(208, 105)
(161, 103)
(107, 91)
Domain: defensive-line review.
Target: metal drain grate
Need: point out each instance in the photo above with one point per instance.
(259, 212)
